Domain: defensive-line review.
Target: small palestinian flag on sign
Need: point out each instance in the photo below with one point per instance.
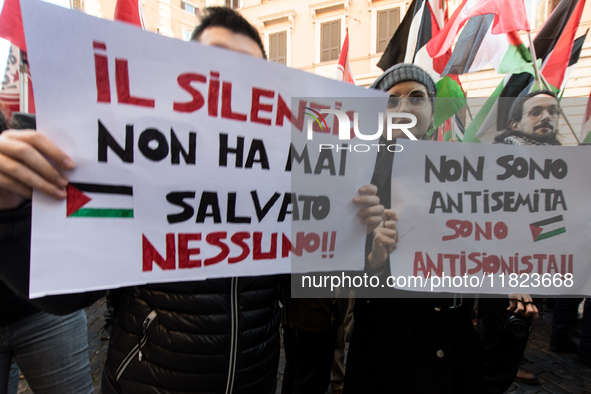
(547, 228)
(93, 200)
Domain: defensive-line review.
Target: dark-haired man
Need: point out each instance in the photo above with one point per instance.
(533, 120)
(225, 28)
(210, 336)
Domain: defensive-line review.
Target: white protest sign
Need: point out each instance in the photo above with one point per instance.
(493, 218)
(182, 154)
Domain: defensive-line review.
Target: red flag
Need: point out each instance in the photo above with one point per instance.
(510, 15)
(555, 65)
(130, 11)
(11, 24)
(344, 72)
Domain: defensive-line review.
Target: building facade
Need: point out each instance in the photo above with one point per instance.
(308, 35)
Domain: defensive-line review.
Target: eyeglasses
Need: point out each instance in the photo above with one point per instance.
(417, 99)
(536, 113)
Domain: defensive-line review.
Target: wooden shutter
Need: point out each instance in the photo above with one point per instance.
(387, 23)
(278, 47)
(282, 47)
(330, 40)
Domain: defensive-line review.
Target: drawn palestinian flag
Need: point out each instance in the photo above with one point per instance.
(93, 200)
(547, 228)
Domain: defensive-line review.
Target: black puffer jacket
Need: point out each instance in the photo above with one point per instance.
(212, 336)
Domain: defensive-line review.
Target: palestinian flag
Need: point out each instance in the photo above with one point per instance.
(574, 59)
(423, 21)
(548, 228)
(478, 48)
(398, 46)
(509, 15)
(586, 128)
(556, 62)
(492, 117)
(93, 200)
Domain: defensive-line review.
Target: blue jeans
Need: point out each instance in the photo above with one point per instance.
(51, 351)
(13, 379)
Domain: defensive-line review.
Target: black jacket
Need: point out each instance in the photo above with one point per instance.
(212, 336)
(410, 345)
(15, 252)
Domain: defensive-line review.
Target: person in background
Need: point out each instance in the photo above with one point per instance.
(533, 120)
(408, 345)
(219, 335)
(563, 321)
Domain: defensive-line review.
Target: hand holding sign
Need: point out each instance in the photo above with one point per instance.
(372, 215)
(25, 164)
(384, 240)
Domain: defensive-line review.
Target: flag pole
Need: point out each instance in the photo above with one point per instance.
(469, 111)
(534, 58)
(24, 82)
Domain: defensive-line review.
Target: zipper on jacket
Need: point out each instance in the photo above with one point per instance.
(137, 349)
(234, 333)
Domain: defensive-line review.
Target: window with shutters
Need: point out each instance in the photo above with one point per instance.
(387, 23)
(538, 11)
(190, 8)
(77, 5)
(233, 4)
(330, 40)
(278, 47)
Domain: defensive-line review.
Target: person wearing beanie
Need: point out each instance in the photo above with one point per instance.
(403, 344)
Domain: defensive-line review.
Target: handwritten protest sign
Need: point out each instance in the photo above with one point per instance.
(184, 160)
(493, 218)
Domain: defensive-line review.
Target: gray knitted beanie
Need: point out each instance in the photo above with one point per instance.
(404, 72)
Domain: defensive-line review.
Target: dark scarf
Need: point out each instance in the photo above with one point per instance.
(512, 137)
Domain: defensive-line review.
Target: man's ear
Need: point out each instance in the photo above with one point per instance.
(515, 126)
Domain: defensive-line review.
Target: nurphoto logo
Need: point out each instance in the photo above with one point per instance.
(345, 129)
